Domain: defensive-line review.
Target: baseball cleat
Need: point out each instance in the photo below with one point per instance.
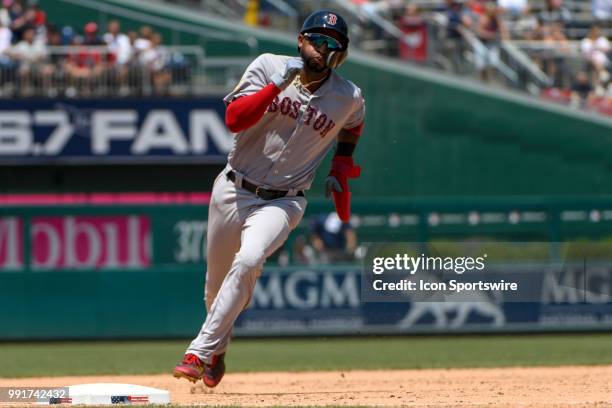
(191, 368)
(213, 372)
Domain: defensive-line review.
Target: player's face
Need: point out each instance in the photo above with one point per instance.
(315, 49)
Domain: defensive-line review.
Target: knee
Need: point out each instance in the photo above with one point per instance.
(251, 259)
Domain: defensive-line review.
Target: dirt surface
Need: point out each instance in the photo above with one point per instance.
(496, 387)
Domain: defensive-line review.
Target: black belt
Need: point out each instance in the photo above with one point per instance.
(261, 192)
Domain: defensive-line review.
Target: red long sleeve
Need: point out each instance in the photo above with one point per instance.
(244, 112)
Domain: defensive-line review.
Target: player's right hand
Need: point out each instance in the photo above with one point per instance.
(292, 68)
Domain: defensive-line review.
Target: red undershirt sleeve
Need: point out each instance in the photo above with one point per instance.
(245, 111)
(356, 131)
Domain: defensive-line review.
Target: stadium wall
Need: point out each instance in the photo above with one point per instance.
(110, 271)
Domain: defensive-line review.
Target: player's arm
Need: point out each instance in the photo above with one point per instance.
(342, 169)
(245, 111)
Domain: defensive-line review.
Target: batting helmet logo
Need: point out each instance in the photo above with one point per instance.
(332, 19)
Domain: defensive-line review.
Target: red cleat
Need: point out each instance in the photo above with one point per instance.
(213, 372)
(191, 368)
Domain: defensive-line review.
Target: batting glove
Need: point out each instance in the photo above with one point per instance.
(293, 66)
(342, 169)
(332, 184)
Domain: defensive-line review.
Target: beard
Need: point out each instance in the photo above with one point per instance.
(311, 64)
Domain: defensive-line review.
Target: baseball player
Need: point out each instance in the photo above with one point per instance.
(287, 113)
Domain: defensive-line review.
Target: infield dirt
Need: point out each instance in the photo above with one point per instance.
(571, 386)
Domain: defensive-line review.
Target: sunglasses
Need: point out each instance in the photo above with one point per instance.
(318, 40)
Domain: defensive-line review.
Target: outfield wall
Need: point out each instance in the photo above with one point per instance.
(108, 271)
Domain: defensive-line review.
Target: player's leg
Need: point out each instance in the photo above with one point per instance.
(227, 212)
(222, 236)
(265, 230)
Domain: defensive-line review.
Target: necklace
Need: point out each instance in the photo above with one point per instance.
(298, 81)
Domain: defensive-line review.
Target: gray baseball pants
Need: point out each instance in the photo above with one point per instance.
(243, 230)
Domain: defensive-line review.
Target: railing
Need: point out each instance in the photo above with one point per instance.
(529, 75)
(106, 10)
(79, 71)
(461, 56)
(562, 58)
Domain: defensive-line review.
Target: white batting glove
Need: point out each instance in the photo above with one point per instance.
(293, 66)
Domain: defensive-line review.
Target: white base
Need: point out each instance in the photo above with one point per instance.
(115, 394)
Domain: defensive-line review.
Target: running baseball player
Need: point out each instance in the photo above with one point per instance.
(287, 113)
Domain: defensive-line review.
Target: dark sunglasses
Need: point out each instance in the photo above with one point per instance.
(318, 40)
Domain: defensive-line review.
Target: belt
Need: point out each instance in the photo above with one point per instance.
(259, 191)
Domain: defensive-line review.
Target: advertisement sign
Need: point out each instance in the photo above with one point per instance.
(77, 242)
(111, 131)
(88, 254)
(319, 301)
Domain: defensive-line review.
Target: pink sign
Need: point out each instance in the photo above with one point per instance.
(85, 242)
(11, 243)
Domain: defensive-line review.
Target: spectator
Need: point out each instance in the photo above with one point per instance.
(527, 26)
(37, 18)
(7, 65)
(413, 44)
(144, 40)
(554, 12)
(5, 13)
(133, 39)
(90, 35)
(155, 60)
(19, 20)
(118, 43)
(32, 58)
(6, 36)
(39, 15)
(595, 48)
(67, 35)
(457, 19)
(302, 253)
(491, 30)
(476, 8)
(514, 8)
(55, 39)
(134, 77)
(555, 63)
(86, 66)
(333, 240)
(602, 9)
(121, 54)
(582, 90)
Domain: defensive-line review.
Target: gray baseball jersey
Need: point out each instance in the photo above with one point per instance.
(283, 150)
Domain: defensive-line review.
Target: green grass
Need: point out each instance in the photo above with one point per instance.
(147, 357)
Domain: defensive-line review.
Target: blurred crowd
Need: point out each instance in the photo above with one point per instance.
(39, 56)
(567, 39)
(571, 46)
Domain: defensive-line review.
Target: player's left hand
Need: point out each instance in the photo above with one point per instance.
(332, 184)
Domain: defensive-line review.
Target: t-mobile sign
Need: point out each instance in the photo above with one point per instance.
(84, 242)
(77, 242)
